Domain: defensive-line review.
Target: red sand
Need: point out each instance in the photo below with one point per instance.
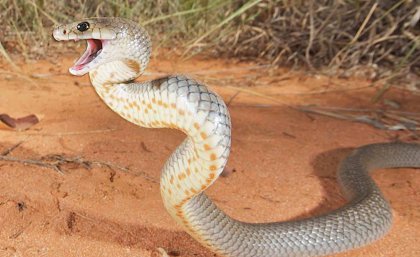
(284, 162)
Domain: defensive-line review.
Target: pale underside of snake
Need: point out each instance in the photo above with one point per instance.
(118, 51)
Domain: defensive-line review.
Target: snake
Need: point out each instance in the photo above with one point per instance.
(118, 51)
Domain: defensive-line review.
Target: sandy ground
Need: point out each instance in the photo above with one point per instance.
(282, 164)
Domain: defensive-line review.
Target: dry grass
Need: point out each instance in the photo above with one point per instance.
(337, 35)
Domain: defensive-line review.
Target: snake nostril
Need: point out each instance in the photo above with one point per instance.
(64, 32)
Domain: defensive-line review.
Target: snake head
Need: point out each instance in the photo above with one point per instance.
(108, 39)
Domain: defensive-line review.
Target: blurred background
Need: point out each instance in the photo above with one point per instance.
(376, 38)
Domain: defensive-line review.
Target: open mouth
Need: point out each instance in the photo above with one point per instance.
(93, 49)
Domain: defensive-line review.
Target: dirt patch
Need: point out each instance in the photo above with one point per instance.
(282, 159)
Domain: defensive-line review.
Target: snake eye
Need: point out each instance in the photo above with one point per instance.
(83, 26)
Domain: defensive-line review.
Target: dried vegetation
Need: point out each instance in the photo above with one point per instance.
(339, 36)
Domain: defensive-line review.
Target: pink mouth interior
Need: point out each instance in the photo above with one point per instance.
(93, 49)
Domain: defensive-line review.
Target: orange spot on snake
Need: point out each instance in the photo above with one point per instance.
(149, 106)
(173, 105)
(207, 147)
(171, 180)
(165, 105)
(133, 65)
(213, 157)
(203, 135)
(181, 112)
(196, 125)
(213, 167)
(188, 172)
(153, 100)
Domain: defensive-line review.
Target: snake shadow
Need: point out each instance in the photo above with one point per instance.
(131, 235)
(93, 227)
(179, 243)
(325, 166)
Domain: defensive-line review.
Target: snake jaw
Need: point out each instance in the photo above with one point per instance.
(96, 37)
(89, 58)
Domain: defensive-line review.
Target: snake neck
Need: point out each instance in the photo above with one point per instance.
(180, 103)
(124, 58)
(114, 73)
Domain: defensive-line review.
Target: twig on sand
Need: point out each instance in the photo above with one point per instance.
(10, 149)
(390, 120)
(113, 166)
(231, 99)
(41, 163)
(57, 161)
(72, 133)
(262, 95)
(230, 70)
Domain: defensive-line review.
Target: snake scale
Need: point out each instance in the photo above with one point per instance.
(118, 51)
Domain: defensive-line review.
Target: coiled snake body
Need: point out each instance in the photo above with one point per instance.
(118, 51)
